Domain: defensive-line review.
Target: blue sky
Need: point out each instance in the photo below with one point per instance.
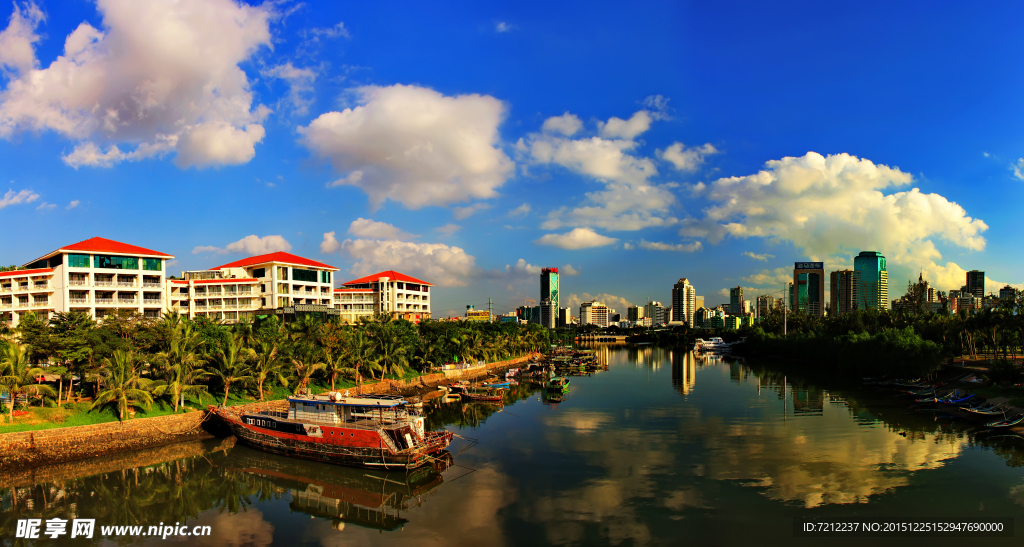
(473, 144)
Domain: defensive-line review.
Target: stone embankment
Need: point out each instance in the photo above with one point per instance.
(23, 451)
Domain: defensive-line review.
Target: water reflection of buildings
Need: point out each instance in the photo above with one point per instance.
(684, 371)
(367, 498)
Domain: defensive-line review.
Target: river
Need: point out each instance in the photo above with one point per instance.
(662, 448)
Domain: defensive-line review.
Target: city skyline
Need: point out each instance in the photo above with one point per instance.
(330, 136)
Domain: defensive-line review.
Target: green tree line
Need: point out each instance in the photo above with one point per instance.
(126, 362)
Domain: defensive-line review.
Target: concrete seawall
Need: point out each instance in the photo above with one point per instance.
(26, 450)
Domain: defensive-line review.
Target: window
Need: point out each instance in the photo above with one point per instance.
(115, 262)
(259, 272)
(282, 288)
(152, 264)
(304, 275)
(282, 301)
(325, 277)
(282, 273)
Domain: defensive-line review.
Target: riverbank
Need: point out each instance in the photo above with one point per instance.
(29, 449)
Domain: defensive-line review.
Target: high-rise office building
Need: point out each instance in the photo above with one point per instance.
(809, 288)
(765, 304)
(549, 285)
(976, 283)
(634, 314)
(655, 311)
(684, 301)
(548, 314)
(593, 313)
(873, 282)
(843, 291)
(1007, 294)
(736, 300)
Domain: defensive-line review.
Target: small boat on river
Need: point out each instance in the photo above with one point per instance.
(380, 432)
(1007, 422)
(557, 383)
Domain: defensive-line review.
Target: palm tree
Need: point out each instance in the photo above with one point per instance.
(387, 347)
(268, 366)
(304, 369)
(125, 389)
(234, 365)
(182, 363)
(19, 376)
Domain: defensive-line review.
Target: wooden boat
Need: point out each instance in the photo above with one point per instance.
(557, 383)
(1007, 422)
(477, 396)
(380, 432)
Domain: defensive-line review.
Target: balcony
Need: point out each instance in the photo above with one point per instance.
(78, 300)
(107, 283)
(151, 285)
(6, 305)
(5, 288)
(152, 301)
(200, 306)
(126, 301)
(104, 300)
(245, 290)
(126, 284)
(23, 304)
(42, 285)
(77, 282)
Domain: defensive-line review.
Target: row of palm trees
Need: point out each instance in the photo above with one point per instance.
(191, 359)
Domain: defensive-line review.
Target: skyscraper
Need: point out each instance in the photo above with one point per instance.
(655, 311)
(549, 285)
(809, 288)
(976, 283)
(593, 313)
(843, 291)
(765, 304)
(684, 301)
(548, 314)
(873, 283)
(736, 300)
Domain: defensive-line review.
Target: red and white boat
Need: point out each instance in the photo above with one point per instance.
(381, 432)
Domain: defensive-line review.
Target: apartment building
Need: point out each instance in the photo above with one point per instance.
(227, 294)
(285, 280)
(94, 276)
(393, 293)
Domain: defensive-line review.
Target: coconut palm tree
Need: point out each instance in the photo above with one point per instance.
(234, 365)
(182, 362)
(304, 368)
(19, 376)
(268, 366)
(124, 388)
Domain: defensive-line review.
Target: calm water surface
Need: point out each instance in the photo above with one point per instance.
(661, 448)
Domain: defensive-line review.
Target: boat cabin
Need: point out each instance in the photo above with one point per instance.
(335, 408)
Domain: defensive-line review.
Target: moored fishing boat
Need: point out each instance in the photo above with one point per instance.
(557, 383)
(1007, 422)
(382, 432)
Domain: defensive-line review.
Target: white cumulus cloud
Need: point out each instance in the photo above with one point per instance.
(251, 245)
(763, 257)
(330, 244)
(300, 84)
(157, 77)
(461, 213)
(628, 200)
(74, 203)
(523, 209)
(567, 124)
(19, 197)
(686, 159)
(448, 229)
(371, 229)
(17, 41)
(414, 145)
(578, 238)
(432, 262)
(679, 247)
(568, 270)
(835, 206)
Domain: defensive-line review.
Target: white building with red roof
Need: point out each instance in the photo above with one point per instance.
(93, 276)
(387, 292)
(273, 281)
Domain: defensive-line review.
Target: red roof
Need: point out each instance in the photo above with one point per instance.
(25, 272)
(390, 274)
(353, 290)
(283, 257)
(102, 245)
(226, 281)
